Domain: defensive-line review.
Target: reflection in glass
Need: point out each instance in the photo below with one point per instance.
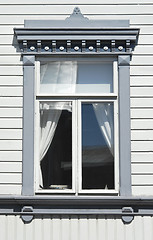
(97, 146)
(56, 145)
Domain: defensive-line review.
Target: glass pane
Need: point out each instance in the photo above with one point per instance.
(97, 146)
(94, 78)
(56, 145)
(72, 77)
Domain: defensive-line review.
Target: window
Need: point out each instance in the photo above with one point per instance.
(77, 126)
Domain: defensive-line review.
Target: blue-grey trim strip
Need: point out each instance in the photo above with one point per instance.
(28, 126)
(124, 125)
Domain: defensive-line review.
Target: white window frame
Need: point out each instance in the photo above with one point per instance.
(76, 135)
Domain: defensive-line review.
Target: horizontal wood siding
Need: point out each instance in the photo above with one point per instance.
(13, 14)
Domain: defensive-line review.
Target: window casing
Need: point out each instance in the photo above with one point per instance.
(82, 173)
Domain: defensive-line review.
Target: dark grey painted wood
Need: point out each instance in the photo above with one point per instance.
(28, 126)
(124, 126)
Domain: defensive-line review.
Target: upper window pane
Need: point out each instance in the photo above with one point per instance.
(72, 77)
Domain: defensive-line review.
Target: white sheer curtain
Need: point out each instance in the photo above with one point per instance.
(54, 76)
(58, 77)
(104, 116)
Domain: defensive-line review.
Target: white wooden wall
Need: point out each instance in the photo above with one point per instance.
(75, 228)
(140, 14)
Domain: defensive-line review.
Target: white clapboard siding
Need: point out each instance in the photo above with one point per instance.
(10, 112)
(141, 70)
(8, 50)
(10, 167)
(10, 178)
(10, 134)
(67, 9)
(142, 135)
(11, 80)
(141, 61)
(142, 157)
(142, 113)
(142, 191)
(143, 50)
(6, 39)
(11, 156)
(142, 102)
(142, 146)
(144, 29)
(142, 180)
(9, 29)
(11, 60)
(146, 39)
(11, 101)
(141, 91)
(142, 168)
(10, 145)
(11, 70)
(141, 81)
(10, 189)
(11, 91)
(48, 2)
(142, 124)
(10, 123)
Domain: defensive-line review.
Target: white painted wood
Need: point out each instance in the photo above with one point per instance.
(141, 81)
(144, 29)
(146, 39)
(11, 91)
(10, 178)
(142, 180)
(142, 102)
(142, 145)
(10, 167)
(11, 101)
(92, 222)
(8, 50)
(83, 228)
(141, 70)
(9, 29)
(10, 189)
(10, 134)
(10, 123)
(56, 225)
(101, 2)
(141, 61)
(12, 156)
(11, 80)
(6, 39)
(142, 124)
(142, 191)
(65, 227)
(11, 112)
(10, 145)
(67, 9)
(141, 91)
(11, 70)
(143, 50)
(11, 60)
(142, 135)
(142, 157)
(47, 228)
(142, 168)
(142, 113)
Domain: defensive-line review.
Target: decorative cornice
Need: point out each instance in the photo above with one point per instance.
(76, 35)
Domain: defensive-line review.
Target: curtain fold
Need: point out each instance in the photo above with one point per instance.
(104, 116)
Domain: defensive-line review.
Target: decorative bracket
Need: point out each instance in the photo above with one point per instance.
(127, 218)
(27, 218)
